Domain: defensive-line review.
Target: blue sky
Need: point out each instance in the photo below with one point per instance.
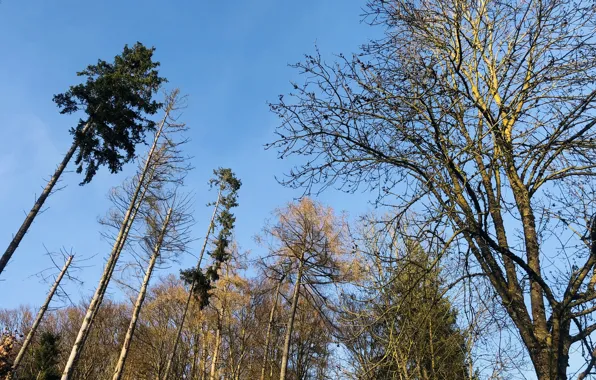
(229, 57)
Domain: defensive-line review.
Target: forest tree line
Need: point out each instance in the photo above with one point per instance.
(471, 122)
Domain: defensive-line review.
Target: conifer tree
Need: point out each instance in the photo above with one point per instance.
(117, 99)
(201, 283)
(46, 356)
(399, 322)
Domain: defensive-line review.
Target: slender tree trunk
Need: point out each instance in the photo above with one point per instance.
(269, 327)
(16, 240)
(202, 364)
(129, 216)
(195, 356)
(288, 338)
(40, 314)
(271, 371)
(238, 368)
(212, 374)
(192, 286)
(140, 298)
(432, 348)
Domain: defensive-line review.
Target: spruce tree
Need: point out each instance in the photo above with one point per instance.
(117, 99)
(201, 283)
(401, 324)
(46, 356)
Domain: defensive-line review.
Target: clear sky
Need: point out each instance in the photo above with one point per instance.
(230, 57)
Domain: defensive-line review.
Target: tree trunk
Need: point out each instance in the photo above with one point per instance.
(192, 286)
(140, 298)
(269, 327)
(202, 364)
(212, 374)
(16, 240)
(130, 215)
(40, 314)
(238, 368)
(288, 338)
(195, 356)
(431, 342)
(549, 364)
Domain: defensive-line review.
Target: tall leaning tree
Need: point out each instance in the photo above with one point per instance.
(156, 169)
(116, 98)
(480, 116)
(166, 221)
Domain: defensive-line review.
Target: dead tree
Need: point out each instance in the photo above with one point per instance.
(40, 314)
(144, 180)
(140, 298)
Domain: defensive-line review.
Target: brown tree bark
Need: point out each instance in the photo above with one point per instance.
(289, 329)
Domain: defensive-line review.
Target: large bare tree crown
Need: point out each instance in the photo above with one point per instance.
(478, 115)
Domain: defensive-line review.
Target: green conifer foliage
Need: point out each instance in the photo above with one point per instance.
(405, 326)
(117, 98)
(46, 356)
(228, 186)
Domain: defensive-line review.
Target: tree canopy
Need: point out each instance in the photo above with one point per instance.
(117, 98)
(478, 117)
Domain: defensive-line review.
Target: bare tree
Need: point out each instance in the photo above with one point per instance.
(307, 241)
(479, 116)
(167, 223)
(149, 175)
(168, 237)
(40, 315)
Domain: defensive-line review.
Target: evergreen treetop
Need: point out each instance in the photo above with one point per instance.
(117, 98)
